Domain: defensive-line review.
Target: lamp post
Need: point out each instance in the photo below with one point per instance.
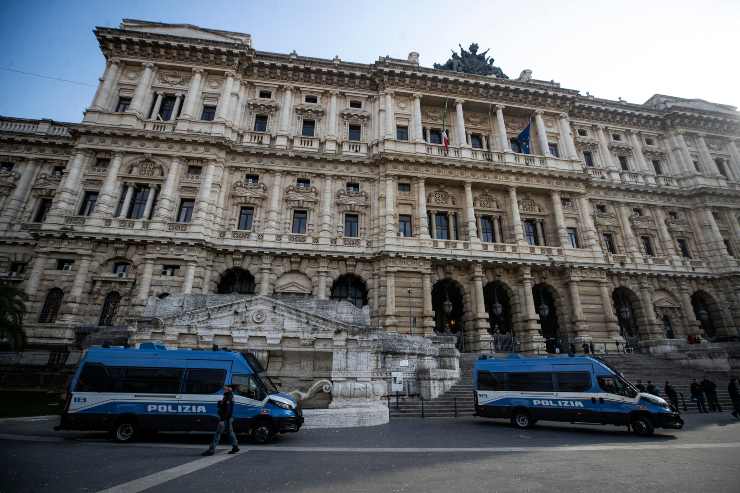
(447, 307)
(411, 314)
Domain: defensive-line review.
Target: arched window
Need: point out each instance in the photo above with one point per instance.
(50, 310)
(351, 288)
(236, 280)
(110, 306)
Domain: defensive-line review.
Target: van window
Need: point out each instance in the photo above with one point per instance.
(247, 386)
(573, 381)
(615, 385)
(531, 382)
(151, 380)
(204, 381)
(93, 378)
(491, 381)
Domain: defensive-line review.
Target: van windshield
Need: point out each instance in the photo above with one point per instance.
(616, 385)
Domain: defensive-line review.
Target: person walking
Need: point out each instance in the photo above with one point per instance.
(697, 394)
(710, 390)
(672, 395)
(734, 390)
(651, 389)
(640, 386)
(225, 422)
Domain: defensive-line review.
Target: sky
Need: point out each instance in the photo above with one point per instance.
(628, 49)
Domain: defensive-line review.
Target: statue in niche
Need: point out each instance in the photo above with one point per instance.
(471, 62)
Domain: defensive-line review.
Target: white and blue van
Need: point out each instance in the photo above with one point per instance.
(573, 389)
(126, 391)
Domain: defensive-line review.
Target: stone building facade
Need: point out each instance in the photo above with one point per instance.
(204, 166)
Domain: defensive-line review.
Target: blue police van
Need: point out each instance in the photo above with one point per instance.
(574, 389)
(127, 391)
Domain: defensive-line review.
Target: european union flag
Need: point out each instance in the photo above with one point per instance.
(523, 140)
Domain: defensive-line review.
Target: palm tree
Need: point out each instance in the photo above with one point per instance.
(12, 310)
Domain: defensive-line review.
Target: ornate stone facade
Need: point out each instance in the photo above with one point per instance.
(204, 166)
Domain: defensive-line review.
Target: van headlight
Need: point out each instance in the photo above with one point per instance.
(281, 405)
(653, 399)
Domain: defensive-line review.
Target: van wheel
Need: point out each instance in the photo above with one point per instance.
(642, 426)
(125, 431)
(521, 419)
(262, 433)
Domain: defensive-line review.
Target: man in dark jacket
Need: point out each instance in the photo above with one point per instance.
(672, 395)
(225, 422)
(710, 390)
(640, 386)
(734, 390)
(651, 389)
(697, 394)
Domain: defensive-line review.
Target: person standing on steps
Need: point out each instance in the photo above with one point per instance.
(697, 394)
(734, 390)
(640, 386)
(225, 422)
(672, 395)
(710, 390)
(651, 389)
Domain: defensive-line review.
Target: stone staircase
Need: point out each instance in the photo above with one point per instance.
(458, 401)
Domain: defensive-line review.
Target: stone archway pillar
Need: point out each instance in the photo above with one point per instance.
(480, 338)
(652, 329)
(265, 274)
(610, 317)
(428, 309)
(531, 339)
(693, 326)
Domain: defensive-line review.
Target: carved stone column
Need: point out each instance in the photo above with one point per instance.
(693, 326)
(714, 241)
(128, 191)
(557, 207)
(637, 148)
(149, 202)
(566, 137)
(106, 203)
(166, 202)
(286, 115)
(605, 153)
(501, 135)
(193, 96)
(734, 157)
(323, 278)
(589, 229)
(418, 129)
(145, 282)
(265, 275)
(203, 202)
(66, 196)
(630, 241)
(107, 82)
(539, 124)
(72, 303)
(391, 230)
(480, 338)
(708, 163)
(664, 235)
(390, 116)
(224, 102)
(579, 321)
(646, 297)
(187, 285)
(141, 91)
(421, 210)
(610, 317)
(428, 313)
(470, 214)
(331, 132)
(9, 213)
(33, 282)
(157, 105)
(460, 124)
(516, 218)
(273, 214)
(531, 340)
(327, 195)
(390, 299)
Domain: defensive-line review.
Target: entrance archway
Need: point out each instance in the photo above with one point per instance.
(447, 302)
(110, 307)
(629, 311)
(350, 287)
(498, 300)
(544, 304)
(236, 280)
(707, 312)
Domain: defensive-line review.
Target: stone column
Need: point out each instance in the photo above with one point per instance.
(459, 124)
(236, 89)
(193, 96)
(106, 203)
(531, 339)
(715, 241)
(539, 123)
(604, 152)
(149, 202)
(630, 242)
(224, 102)
(326, 209)
(145, 282)
(693, 326)
(203, 201)
(418, 129)
(34, 277)
(72, 303)
(66, 196)
(734, 157)
(557, 207)
(390, 116)
(664, 235)
(141, 91)
(428, 310)
(708, 163)
(501, 135)
(14, 204)
(566, 137)
(682, 150)
(176, 108)
(157, 105)
(265, 274)
(516, 218)
(273, 214)
(610, 317)
(323, 277)
(391, 230)
(541, 232)
(637, 147)
(331, 132)
(187, 285)
(107, 82)
(166, 202)
(128, 195)
(390, 298)
(380, 120)
(589, 229)
(206, 287)
(285, 112)
(421, 211)
(575, 300)
(646, 298)
(470, 214)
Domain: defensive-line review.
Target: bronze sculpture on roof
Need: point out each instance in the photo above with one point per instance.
(471, 62)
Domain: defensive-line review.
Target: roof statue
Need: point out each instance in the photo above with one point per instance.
(471, 62)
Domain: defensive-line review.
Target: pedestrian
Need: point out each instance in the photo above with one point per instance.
(710, 390)
(225, 422)
(640, 386)
(697, 394)
(672, 395)
(651, 389)
(734, 390)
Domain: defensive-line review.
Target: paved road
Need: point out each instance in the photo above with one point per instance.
(407, 455)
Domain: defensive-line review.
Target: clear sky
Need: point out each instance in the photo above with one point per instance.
(621, 48)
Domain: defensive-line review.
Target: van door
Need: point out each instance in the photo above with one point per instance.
(202, 389)
(574, 384)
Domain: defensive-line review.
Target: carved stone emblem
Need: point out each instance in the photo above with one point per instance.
(529, 205)
(355, 115)
(259, 316)
(351, 198)
(256, 191)
(173, 78)
(440, 197)
(296, 196)
(486, 201)
(308, 110)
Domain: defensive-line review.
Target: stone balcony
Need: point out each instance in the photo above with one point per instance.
(38, 127)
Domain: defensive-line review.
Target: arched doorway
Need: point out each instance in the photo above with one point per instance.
(51, 307)
(110, 307)
(707, 312)
(350, 287)
(544, 304)
(447, 302)
(628, 308)
(498, 299)
(236, 280)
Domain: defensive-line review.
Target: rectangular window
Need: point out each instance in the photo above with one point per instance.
(42, 210)
(355, 133)
(721, 167)
(138, 204)
(573, 381)
(102, 162)
(150, 380)
(88, 203)
(57, 171)
(582, 132)
(554, 150)
(204, 380)
(588, 157)
(435, 136)
(491, 381)
(265, 94)
(170, 270)
(252, 179)
(573, 237)
(351, 225)
(402, 132)
(697, 166)
(94, 378)
(120, 268)
(185, 213)
(649, 141)
(623, 163)
(123, 104)
(260, 123)
(303, 183)
(209, 113)
(601, 208)
(476, 141)
(730, 250)
(195, 170)
(637, 212)
(300, 218)
(404, 187)
(245, 218)
(656, 166)
(486, 229)
(515, 147)
(683, 246)
(616, 137)
(353, 187)
(442, 225)
(64, 264)
(247, 386)
(609, 243)
(167, 107)
(531, 382)
(404, 225)
(309, 128)
(311, 99)
(7, 167)
(530, 232)
(354, 103)
(17, 268)
(647, 245)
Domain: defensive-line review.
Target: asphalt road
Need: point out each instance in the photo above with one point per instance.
(407, 455)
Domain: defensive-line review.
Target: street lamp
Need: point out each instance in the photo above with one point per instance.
(543, 310)
(702, 314)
